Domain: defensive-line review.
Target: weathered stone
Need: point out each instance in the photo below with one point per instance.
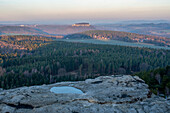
(106, 94)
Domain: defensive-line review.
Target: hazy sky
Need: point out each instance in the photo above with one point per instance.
(85, 10)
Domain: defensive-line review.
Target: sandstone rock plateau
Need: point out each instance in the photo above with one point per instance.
(106, 94)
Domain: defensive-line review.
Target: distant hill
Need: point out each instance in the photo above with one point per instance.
(159, 29)
(44, 29)
(20, 30)
(64, 29)
(122, 36)
(144, 21)
(160, 25)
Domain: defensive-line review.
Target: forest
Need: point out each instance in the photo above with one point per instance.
(158, 80)
(57, 61)
(26, 42)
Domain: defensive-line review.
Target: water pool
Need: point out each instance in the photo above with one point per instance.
(65, 90)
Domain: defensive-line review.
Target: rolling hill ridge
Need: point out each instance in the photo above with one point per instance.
(121, 36)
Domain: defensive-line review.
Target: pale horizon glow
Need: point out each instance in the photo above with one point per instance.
(89, 10)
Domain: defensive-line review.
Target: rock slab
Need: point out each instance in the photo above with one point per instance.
(105, 94)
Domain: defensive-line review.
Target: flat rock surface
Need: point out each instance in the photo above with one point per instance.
(105, 94)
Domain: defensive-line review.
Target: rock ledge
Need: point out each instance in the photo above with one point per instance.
(105, 94)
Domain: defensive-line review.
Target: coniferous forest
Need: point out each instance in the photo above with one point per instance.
(56, 61)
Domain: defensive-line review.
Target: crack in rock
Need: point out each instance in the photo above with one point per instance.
(20, 106)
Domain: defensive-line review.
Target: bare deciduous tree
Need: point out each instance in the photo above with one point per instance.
(158, 78)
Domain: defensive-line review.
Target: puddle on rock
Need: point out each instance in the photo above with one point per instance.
(65, 90)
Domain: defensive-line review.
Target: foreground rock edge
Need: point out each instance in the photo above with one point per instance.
(116, 93)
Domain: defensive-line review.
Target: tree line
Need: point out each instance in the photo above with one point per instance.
(65, 61)
(157, 79)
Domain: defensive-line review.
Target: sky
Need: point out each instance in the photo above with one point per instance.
(83, 10)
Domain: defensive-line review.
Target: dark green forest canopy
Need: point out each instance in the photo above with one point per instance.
(158, 80)
(63, 61)
(108, 53)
